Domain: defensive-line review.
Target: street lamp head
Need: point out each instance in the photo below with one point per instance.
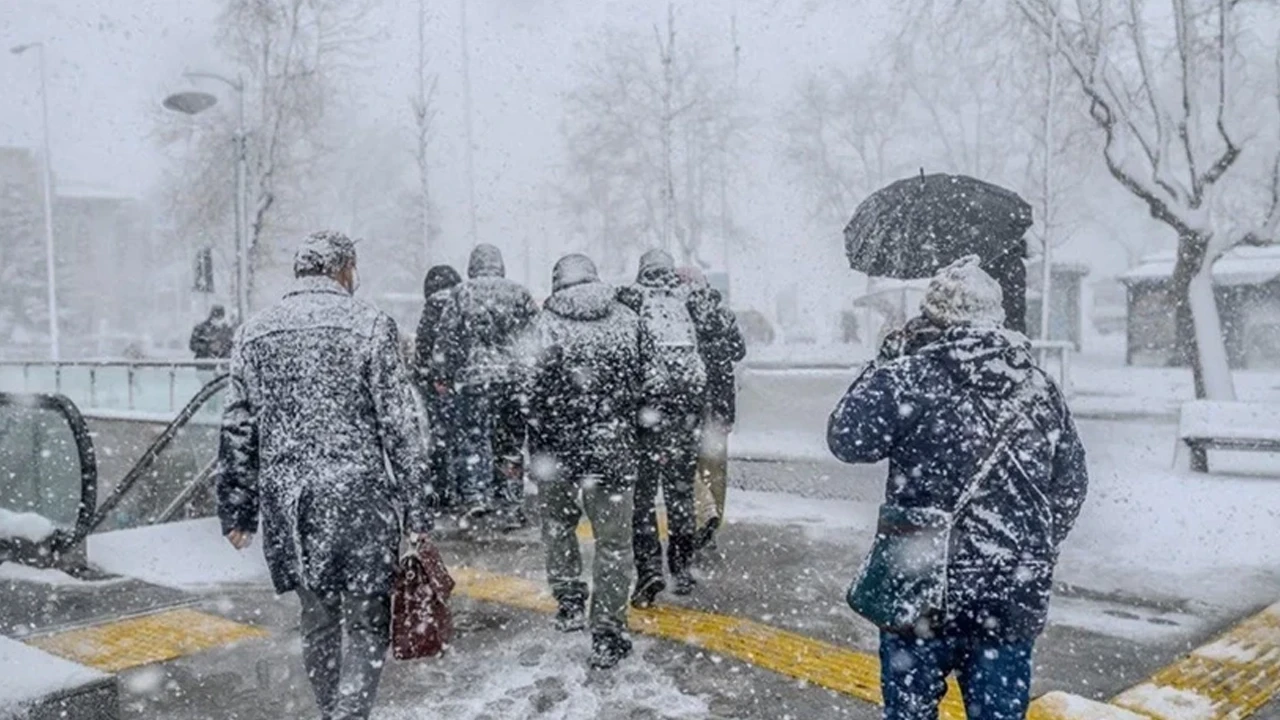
(19, 49)
(190, 103)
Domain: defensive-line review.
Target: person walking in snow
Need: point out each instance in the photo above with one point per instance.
(211, 339)
(721, 346)
(437, 396)
(319, 408)
(476, 347)
(982, 449)
(670, 419)
(584, 395)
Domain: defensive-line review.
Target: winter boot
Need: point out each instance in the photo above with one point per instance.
(608, 648)
(513, 520)
(706, 537)
(571, 616)
(684, 582)
(473, 516)
(647, 588)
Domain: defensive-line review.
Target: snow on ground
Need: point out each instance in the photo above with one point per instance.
(185, 555)
(25, 525)
(12, 571)
(28, 674)
(542, 678)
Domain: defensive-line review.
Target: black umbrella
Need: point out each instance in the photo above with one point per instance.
(915, 227)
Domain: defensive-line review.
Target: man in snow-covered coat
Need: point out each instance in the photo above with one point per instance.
(933, 414)
(585, 385)
(480, 329)
(319, 396)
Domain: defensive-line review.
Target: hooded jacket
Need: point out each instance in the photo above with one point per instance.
(481, 324)
(587, 371)
(935, 416)
(440, 280)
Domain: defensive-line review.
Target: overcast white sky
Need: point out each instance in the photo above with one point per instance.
(112, 61)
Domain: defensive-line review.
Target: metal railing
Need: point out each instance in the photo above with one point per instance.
(1052, 355)
(154, 386)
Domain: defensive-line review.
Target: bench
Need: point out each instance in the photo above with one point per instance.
(1208, 425)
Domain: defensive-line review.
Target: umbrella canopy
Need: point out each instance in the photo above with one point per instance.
(917, 226)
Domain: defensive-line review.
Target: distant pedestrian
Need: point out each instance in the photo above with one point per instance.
(211, 339)
(320, 408)
(584, 390)
(437, 394)
(986, 478)
(669, 426)
(721, 346)
(476, 348)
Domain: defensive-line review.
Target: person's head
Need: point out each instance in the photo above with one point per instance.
(693, 276)
(486, 261)
(330, 254)
(217, 312)
(655, 266)
(573, 270)
(963, 294)
(439, 277)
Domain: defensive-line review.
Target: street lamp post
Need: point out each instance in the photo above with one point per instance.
(47, 172)
(194, 103)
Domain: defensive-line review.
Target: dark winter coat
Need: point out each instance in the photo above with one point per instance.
(318, 395)
(657, 277)
(933, 416)
(211, 339)
(586, 381)
(482, 323)
(721, 346)
(436, 288)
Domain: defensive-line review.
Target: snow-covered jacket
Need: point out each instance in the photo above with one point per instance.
(663, 389)
(436, 289)
(934, 415)
(482, 323)
(211, 339)
(721, 345)
(587, 374)
(318, 395)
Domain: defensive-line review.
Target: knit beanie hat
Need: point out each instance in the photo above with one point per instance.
(964, 294)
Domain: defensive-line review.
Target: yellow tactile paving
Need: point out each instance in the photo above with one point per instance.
(1230, 678)
(123, 644)
(814, 661)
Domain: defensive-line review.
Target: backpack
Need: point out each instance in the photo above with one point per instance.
(677, 365)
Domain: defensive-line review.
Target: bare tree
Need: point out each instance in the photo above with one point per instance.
(648, 134)
(424, 114)
(290, 51)
(1166, 113)
(948, 106)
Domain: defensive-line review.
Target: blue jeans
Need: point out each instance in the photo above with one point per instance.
(995, 678)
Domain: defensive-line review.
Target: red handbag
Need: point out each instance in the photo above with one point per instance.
(421, 623)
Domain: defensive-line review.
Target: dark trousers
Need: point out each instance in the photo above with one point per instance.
(510, 430)
(995, 678)
(443, 424)
(603, 489)
(345, 680)
(668, 459)
(489, 440)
